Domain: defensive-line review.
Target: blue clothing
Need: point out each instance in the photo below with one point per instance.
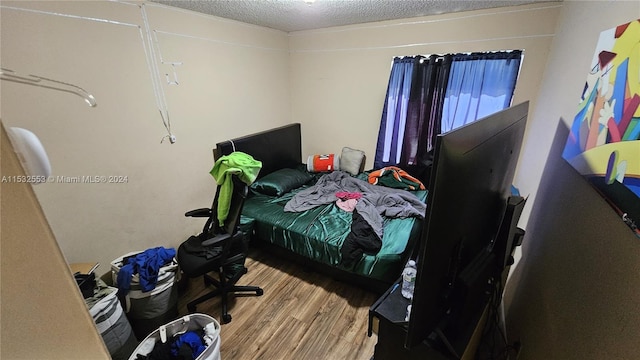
(192, 341)
(147, 265)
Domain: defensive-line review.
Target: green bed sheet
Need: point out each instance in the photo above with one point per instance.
(318, 234)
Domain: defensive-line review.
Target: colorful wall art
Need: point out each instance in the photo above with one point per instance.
(604, 140)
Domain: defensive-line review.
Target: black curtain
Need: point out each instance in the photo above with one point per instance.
(424, 114)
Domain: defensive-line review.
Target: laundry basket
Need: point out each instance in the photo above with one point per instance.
(146, 310)
(203, 334)
(111, 321)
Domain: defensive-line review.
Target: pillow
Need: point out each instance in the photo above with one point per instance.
(352, 160)
(281, 181)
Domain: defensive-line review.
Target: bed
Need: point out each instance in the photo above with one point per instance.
(321, 235)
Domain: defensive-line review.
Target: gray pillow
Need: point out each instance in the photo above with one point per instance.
(352, 160)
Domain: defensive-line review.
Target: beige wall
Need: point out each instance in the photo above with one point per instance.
(574, 294)
(237, 78)
(234, 79)
(339, 75)
(39, 294)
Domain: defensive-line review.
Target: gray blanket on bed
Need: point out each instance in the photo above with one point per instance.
(377, 201)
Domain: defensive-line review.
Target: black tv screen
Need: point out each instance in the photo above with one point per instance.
(471, 180)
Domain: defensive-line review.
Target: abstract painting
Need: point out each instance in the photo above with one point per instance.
(604, 139)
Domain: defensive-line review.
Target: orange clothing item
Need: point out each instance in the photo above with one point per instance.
(393, 176)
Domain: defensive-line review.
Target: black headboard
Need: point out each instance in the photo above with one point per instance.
(277, 148)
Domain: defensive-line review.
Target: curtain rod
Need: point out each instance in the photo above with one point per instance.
(470, 55)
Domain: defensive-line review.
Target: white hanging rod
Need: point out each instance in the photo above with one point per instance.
(10, 75)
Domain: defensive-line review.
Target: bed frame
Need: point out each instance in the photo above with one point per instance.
(281, 148)
(277, 148)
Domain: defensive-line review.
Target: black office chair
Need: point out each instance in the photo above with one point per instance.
(221, 249)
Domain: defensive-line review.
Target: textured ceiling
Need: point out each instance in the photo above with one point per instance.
(295, 15)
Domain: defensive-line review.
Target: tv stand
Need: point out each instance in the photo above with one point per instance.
(466, 320)
(387, 316)
(441, 338)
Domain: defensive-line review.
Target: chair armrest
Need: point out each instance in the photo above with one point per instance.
(216, 239)
(204, 212)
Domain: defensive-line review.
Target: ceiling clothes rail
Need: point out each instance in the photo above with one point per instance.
(40, 81)
(27, 145)
(150, 52)
(150, 42)
(152, 62)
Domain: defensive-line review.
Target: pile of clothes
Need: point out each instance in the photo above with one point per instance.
(185, 346)
(362, 238)
(369, 204)
(395, 177)
(375, 202)
(147, 265)
(347, 200)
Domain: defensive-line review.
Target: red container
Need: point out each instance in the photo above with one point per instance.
(323, 163)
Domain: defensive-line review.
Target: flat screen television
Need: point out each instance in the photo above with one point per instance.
(470, 183)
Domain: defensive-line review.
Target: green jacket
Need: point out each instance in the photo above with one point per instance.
(244, 166)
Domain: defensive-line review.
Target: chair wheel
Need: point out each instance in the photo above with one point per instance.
(226, 318)
(191, 308)
(259, 292)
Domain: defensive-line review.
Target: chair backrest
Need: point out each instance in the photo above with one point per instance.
(231, 224)
(240, 191)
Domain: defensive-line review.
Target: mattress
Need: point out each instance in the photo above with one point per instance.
(319, 233)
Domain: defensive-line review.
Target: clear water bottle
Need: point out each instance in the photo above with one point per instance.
(409, 279)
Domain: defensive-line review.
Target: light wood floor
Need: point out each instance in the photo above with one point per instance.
(302, 315)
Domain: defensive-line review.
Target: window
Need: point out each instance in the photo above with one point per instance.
(430, 95)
